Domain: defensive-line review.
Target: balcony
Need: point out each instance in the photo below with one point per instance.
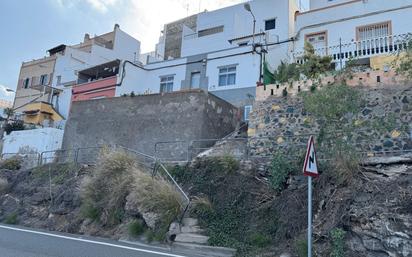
(102, 88)
(358, 49)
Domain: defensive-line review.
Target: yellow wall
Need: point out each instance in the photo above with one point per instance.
(41, 116)
(379, 62)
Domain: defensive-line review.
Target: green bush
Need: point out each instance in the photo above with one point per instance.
(11, 219)
(225, 164)
(302, 248)
(136, 228)
(11, 164)
(259, 240)
(279, 170)
(338, 242)
(88, 210)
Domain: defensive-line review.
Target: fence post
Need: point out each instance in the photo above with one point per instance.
(76, 155)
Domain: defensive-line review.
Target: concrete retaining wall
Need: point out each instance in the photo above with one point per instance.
(141, 121)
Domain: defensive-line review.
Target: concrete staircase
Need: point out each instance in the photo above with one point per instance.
(189, 238)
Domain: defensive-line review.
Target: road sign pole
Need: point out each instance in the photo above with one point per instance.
(309, 216)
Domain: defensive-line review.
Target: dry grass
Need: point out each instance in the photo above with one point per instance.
(346, 166)
(13, 163)
(104, 194)
(158, 196)
(118, 179)
(4, 185)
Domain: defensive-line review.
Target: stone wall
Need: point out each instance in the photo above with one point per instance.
(384, 123)
(141, 121)
(368, 79)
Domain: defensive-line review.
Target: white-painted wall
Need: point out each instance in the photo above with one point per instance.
(36, 140)
(247, 68)
(73, 60)
(147, 80)
(315, 4)
(341, 22)
(237, 23)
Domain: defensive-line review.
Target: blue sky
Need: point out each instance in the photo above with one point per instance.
(31, 27)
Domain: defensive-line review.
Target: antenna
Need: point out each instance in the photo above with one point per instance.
(200, 5)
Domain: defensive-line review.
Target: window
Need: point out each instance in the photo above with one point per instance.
(211, 31)
(270, 24)
(247, 111)
(317, 40)
(374, 31)
(227, 76)
(26, 83)
(44, 79)
(59, 80)
(166, 84)
(195, 80)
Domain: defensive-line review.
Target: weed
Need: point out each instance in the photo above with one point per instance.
(260, 240)
(279, 170)
(136, 228)
(11, 164)
(201, 207)
(11, 219)
(302, 248)
(338, 243)
(89, 211)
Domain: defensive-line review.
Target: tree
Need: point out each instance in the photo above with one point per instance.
(404, 61)
(8, 112)
(314, 64)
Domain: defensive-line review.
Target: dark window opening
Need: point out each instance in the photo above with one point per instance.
(270, 24)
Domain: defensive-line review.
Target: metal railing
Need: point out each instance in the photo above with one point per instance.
(358, 49)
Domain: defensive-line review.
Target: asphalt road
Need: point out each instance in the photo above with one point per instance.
(24, 242)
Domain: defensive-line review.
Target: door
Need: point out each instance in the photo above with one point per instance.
(195, 80)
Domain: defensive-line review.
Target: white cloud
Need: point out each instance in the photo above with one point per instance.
(102, 5)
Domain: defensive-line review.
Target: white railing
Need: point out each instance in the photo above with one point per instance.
(359, 49)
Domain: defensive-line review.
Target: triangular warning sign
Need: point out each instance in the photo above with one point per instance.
(310, 168)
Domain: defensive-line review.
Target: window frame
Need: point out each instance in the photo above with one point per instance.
(227, 75)
(359, 28)
(164, 85)
(44, 79)
(26, 83)
(268, 20)
(246, 114)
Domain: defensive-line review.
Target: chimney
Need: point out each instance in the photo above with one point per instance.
(86, 37)
(116, 26)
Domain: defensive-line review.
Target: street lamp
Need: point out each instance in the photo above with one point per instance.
(249, 9)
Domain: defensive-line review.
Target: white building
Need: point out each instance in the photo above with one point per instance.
(214, 51)
(357, 29)
(55, 86)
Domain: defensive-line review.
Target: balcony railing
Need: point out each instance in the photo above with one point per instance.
(359, 49)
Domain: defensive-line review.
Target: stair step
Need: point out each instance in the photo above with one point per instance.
(191, 238)
(189, 222)
(192, 229)
(204, 250)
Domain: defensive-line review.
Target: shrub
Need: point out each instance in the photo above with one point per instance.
(226, 164)
(136, 228)
(11, 219)
(14, 126)
(158, 196)
(11, 164)
(345, 162)
(302, 248)
(104, 194)
(260, 240)
(333, 102)
(338, 243)
(201, 207)
(4, 186)
(279, 171)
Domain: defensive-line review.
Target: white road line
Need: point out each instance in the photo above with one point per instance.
(91, 241)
